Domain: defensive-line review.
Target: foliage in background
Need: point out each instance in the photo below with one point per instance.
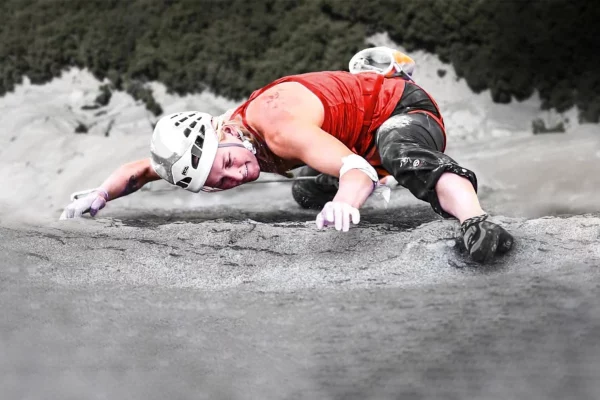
(512, 47)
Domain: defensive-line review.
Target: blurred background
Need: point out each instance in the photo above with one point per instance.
(514, 48)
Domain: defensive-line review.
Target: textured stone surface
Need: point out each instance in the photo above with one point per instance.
(262, 305)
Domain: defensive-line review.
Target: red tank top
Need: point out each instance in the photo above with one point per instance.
(355, 106)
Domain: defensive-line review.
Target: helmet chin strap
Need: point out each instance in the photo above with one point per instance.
(246, 144)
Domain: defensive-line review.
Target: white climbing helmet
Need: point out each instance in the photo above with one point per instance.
(183, 148)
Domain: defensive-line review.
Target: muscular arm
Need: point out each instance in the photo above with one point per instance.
(129, 178)
(290, 121)
(324, 153)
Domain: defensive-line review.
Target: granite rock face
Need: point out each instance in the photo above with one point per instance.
(263, 305)
(269, 252)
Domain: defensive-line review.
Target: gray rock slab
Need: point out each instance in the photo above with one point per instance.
(248, 305)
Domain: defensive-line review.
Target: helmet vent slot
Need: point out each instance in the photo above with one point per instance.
(187, 132)
(184, 182)
(180, 121)
(195, 161)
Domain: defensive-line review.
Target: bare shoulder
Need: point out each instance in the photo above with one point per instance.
(282, 104)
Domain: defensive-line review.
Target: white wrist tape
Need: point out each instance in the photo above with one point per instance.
(354, 161)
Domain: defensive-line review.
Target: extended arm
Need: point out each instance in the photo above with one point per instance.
(290, 118)
(129, 178)
(123, 181)
(323, 152)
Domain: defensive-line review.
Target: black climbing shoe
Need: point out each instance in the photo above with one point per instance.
(314, 194)
(483, 239)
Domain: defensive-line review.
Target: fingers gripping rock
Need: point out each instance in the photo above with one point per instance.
(92, 203)
(337, 214)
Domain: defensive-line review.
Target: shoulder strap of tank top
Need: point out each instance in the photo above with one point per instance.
(246, 125)
(241, 110)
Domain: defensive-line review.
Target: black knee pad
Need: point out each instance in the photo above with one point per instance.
(410, 149)
(314, 194)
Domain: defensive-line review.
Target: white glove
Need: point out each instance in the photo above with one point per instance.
(92, 202)
(338, 214)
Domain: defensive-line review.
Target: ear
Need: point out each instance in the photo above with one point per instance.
(230, 131)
